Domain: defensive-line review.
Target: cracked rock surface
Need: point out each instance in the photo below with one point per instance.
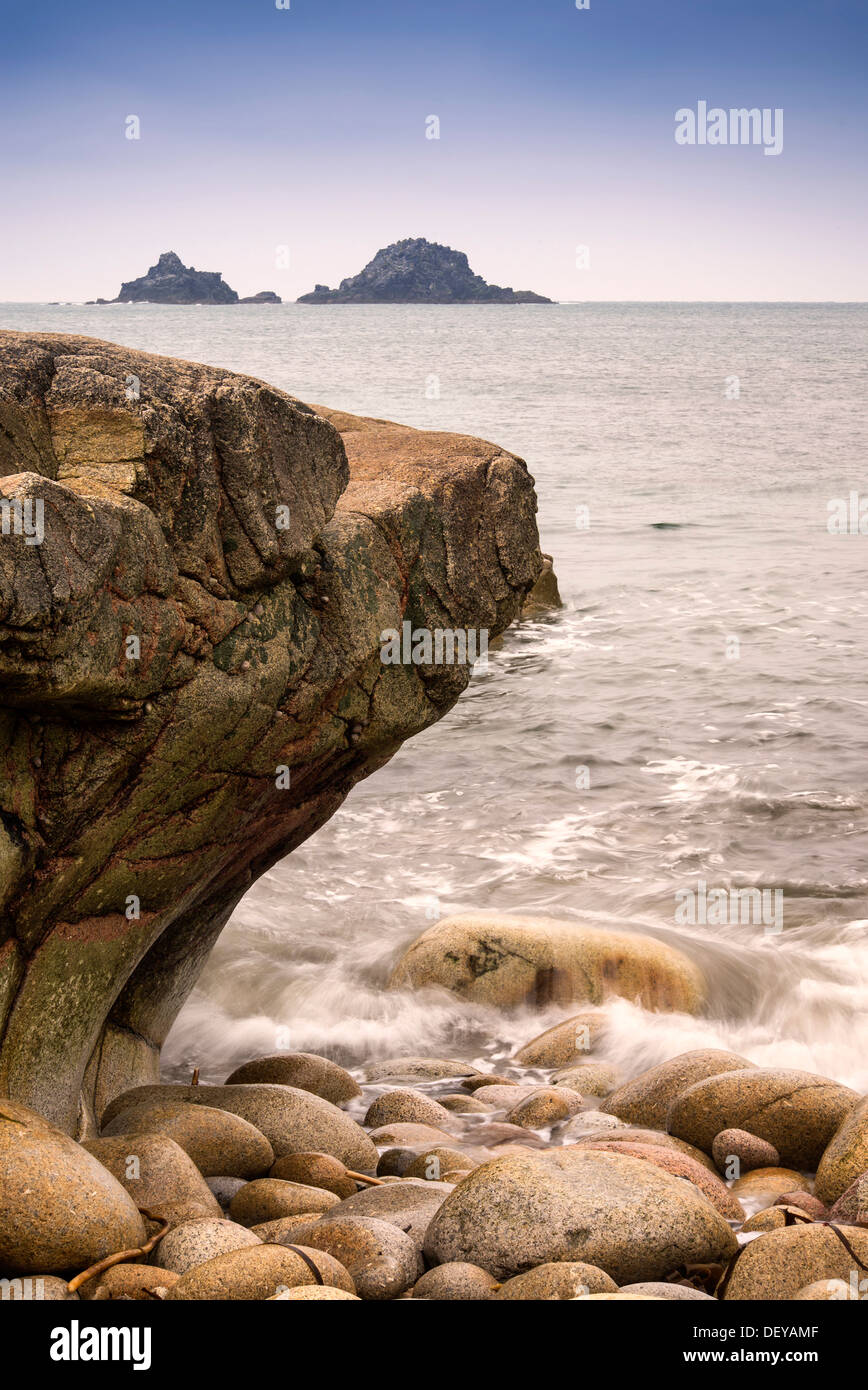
(199, 627)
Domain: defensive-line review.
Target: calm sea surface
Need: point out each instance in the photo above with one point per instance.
(708, 673)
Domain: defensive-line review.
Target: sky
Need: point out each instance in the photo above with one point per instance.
(556, 167)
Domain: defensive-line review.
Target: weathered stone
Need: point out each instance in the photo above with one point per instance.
(846, 1156)
(563, 1280)
(197, 1241)
(315, 1170)
(39, 1288)
(409, 1204)
(304, 1070)
(142, 1283)
(458, 1281)
(621, 1214)
(224, 1188)
(749, 1151)
(677, 1292)
(807, 1203)
(419, 1069)
(259, 1271)
(481, 1080)
(795, 1111)
(314, 1293)
(545, 1106)
(852, 1206)
(60, 1208)
(286, 1230)
(433, 1164)
(490, 958)
(411, 1107)
(589, 1079)
(154, 1170)
(629, 1134)
(407, 1135)
(773, 1219)
(647, 1098)
(218, 1142)
(165, 486)
(503, 1098)
(589, 1124)
(179, 1213)
(381, 1259)
(463, 1105)
(545, 596)
(824, 1290)
(394, 1162)
(268, 1199)
(566, 1043)
(293, 1121)
(777, 1265)
(671, 1161)
(769, 1183)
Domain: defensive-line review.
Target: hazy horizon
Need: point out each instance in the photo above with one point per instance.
(306, 128)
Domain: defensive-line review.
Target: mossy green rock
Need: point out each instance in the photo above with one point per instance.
(256, 548)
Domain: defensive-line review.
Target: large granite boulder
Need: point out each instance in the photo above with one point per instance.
(194, 585)
(795, 1111)
(60, 1208)
(618, 1213)
(846, 1158)
(646, 1100)
(492, 958)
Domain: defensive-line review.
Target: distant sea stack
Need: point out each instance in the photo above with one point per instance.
(416, 271)
(172, 282)
(264, 297)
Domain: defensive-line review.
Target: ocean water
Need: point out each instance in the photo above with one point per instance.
(697, 712)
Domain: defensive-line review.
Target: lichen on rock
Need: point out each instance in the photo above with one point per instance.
(190, 668)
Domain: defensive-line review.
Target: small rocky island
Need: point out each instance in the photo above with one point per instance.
(416, 271)
(172, 282)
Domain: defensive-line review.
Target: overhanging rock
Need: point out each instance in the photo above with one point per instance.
(197, 627)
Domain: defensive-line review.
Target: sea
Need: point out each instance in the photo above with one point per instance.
(694, 719)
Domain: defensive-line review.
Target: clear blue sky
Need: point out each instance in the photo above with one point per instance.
(306, 127)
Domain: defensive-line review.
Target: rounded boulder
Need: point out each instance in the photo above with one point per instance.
(505, 961)
(304, 1070)
(61, 1209)
(795, 1111)
(622, 1214)
(219, 1143)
